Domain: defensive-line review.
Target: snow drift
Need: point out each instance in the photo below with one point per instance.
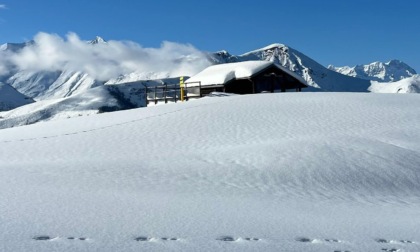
(268, 172)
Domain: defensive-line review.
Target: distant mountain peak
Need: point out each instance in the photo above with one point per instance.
(391, 71)
(316, 75)
(394, 61)
(97, 40)
(14, 47)
(222, 52)
(271, 47)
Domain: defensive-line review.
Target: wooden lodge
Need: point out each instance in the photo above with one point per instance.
(247, 77)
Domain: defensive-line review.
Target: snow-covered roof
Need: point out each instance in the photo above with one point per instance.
(223, 73)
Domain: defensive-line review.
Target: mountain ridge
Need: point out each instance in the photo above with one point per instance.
(41, 85)
(391, 71)
(318, 77)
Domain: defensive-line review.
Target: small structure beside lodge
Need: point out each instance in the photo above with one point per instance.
(248, 77)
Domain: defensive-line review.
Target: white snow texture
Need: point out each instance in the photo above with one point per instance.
(266, 172)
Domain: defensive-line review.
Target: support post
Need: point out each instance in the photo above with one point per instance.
(175, 91)
(155, 95)
(181, 86)
(253, 85)
(147, 98)
(165, 93)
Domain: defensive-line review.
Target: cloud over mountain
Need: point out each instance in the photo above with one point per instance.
(103, 61)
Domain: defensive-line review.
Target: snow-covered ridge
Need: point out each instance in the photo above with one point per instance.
(393, 70)
(266, 48)
(15, 47)
(11, 99)
(407, 85)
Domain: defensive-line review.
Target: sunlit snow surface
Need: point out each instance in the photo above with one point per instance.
(408, 85)
(267, 172)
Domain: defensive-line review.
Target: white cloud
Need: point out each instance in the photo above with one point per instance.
(2, 6)
(104, 61)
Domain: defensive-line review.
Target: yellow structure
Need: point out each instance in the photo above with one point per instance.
(181, 85)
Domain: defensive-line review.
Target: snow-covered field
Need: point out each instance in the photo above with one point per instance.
(267, 172)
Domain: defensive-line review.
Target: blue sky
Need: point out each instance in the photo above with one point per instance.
(330, 32)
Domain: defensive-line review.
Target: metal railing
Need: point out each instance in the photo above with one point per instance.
(172, 93)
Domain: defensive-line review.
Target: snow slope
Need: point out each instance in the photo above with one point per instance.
(10, 98)
(83, 104)
(267, 172)
(105, 98)
(391, 71)
(408, 85)
(43, 85)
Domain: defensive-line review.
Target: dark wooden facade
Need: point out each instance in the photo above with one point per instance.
(271, 79)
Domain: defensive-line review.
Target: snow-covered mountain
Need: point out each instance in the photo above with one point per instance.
(318, 77)
(104, 98)
(97, 40)
(87, 103)
(65, 81)
(10, 98)
(407, 85)
(393, 70)
(15, 47)
(41, 85)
